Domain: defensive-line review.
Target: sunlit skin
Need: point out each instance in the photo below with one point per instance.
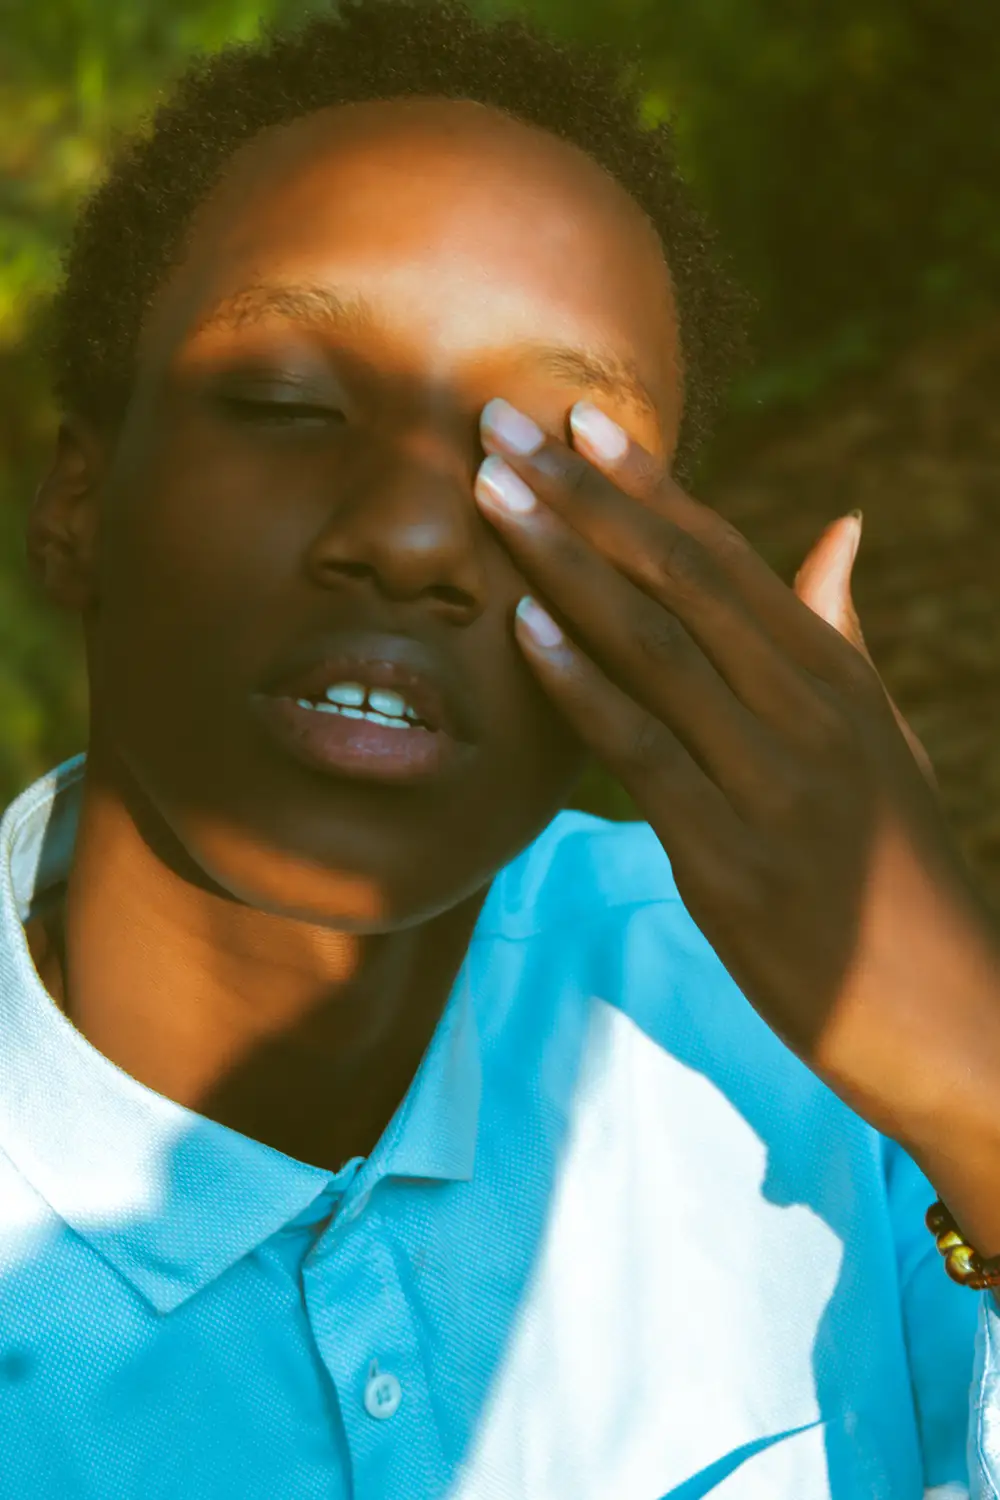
(256, 940)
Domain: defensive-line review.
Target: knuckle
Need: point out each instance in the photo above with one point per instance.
(827, 729)
(659, 634)
(730, 545)
(582, 482)
(646, 469)
(681, 559)
(646, 748)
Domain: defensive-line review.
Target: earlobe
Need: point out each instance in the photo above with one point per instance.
(63, 520)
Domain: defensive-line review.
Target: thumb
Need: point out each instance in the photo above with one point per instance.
(824, 583)
(824, 579)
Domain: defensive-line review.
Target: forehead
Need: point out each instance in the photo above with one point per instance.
(462, 227)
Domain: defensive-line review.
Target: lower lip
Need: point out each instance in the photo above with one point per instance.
(331, 742)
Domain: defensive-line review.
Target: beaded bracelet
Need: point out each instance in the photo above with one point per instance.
(963, 1264)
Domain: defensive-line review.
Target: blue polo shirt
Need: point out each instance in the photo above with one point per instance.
(617, 1243)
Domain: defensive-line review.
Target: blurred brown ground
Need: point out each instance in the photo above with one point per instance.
(918, 449)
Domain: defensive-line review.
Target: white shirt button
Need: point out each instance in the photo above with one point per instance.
(383, 1393)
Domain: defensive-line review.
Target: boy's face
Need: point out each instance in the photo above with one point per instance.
(237, 542)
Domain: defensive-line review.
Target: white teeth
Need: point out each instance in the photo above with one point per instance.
(350, 693)
(385, 702)
(353, 713)
(381, 700)
(394, 723)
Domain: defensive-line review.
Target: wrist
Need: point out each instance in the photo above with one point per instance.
(959, 1149)
(950, 1105)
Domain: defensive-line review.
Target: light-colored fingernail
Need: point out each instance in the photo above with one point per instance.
(498, 485)
(606, 438)
(539, 622)
(511, 427)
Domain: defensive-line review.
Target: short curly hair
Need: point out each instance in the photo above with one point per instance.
(131, 230)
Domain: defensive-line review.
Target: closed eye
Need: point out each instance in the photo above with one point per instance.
(264, 413)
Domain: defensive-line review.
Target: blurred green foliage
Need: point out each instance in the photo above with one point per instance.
(848, 152)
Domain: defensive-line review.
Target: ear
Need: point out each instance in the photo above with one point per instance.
(63, 521)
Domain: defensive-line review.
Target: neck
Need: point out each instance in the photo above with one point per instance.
(301, 1036)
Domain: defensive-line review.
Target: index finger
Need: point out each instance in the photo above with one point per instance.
(601, 442)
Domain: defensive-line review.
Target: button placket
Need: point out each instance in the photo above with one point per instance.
(365, 1334)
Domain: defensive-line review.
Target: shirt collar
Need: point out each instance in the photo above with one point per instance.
(433, 1133)
(167, 1196)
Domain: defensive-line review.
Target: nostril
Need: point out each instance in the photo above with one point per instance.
(449, 595)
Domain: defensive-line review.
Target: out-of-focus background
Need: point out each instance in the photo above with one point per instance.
(848, 152)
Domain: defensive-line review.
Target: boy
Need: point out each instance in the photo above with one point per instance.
(370, 1127)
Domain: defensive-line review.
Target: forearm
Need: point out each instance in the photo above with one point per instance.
(956, 1142)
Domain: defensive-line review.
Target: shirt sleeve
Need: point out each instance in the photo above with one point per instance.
(954, 1366)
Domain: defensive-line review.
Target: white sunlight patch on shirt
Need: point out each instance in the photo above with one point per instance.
(140, 1186)
(27, 1220)
(651, 1314)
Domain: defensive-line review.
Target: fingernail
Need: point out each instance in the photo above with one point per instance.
(540, 624)
(855, 543)
(498, 485)
(606, 438)
(511, 427)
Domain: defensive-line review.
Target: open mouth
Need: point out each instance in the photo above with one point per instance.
(369, 705)
(352, 700)
(360, 739)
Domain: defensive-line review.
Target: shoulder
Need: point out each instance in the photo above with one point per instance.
(578, 867)
(598, 900)
(595, 903)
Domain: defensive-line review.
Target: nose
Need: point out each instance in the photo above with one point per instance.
(404, 518)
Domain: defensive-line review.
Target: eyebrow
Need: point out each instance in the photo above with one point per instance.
(599, 369)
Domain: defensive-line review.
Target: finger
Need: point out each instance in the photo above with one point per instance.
(673, 569)
(823, 582)
(564, 479)
(638, 644)
(608, 447)
(691, 815)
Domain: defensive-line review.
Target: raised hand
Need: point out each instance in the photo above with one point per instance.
(756, 738)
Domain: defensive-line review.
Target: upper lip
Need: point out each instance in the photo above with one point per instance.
(377, 659)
